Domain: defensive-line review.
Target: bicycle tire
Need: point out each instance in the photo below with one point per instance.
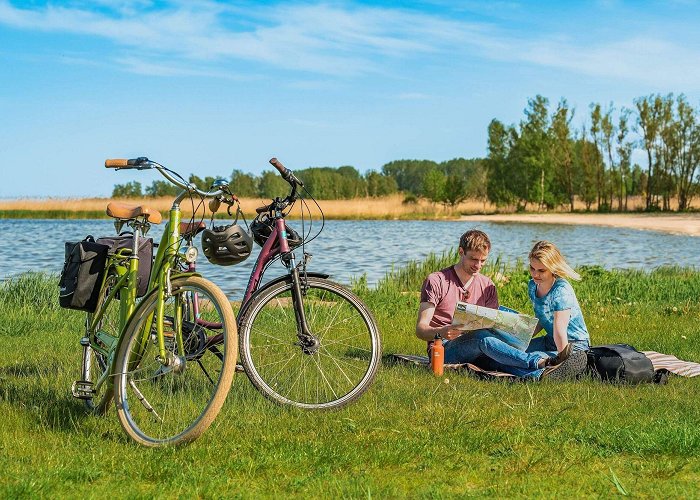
(190, 395)
(95, 363)
(338, 372)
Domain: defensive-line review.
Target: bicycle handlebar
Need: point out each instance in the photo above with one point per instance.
(143, 163)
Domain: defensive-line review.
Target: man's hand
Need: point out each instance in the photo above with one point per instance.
(452, 334)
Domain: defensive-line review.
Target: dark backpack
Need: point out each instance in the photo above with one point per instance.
(621, 363)
(126, 240)
(82, 275)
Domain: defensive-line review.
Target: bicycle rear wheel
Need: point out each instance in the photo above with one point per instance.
(332, 369)
(174, 403)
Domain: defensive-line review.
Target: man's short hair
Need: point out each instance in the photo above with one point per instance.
(475, 240)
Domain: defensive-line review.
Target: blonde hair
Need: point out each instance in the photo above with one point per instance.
(553, 260)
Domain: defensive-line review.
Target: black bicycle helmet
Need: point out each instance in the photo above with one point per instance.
(226, 245)
(262, 229)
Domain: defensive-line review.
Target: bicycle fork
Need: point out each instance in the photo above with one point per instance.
(308, 341)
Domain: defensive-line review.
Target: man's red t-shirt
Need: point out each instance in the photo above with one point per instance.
(444, 289)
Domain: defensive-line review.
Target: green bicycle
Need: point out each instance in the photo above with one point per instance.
(153, 356)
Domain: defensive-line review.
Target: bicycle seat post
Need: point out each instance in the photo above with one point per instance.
(141, 227)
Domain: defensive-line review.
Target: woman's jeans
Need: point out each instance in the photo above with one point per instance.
(499, 354)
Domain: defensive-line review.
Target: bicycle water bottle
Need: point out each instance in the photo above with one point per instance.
(437, 357)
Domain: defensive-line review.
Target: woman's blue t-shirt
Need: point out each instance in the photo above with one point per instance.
(559, 298)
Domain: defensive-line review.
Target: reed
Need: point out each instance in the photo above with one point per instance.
(391, 206)
(388, 207)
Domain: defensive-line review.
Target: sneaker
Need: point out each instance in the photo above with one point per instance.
(564, 354)
(560, 357)
(570, 368)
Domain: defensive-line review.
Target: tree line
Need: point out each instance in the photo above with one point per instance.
(543, 162)
(448, 183)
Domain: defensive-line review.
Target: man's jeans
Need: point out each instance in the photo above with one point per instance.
(500, 355)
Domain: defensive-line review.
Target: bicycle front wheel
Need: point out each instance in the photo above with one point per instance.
(173, 401)
(329, 369)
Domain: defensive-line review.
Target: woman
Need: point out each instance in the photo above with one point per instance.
(555, 303)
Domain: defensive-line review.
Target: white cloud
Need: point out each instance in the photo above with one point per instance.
(330, 39)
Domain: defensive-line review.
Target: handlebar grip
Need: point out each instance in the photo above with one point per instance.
(116, 163)
(286, 174)
(264, 208)
(121, 163)
(278, 165)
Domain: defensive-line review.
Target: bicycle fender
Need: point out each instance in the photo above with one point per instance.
(286, 277)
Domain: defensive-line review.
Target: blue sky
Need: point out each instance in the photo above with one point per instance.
(206, 87)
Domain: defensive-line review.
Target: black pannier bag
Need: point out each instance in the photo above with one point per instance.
(620, 363)
(83, 271)
(125, 240)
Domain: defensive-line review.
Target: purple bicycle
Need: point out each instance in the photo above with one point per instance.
(304, 340)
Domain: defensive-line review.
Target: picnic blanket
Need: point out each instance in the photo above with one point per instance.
(658, 360)
(468, 367)
(672, 364)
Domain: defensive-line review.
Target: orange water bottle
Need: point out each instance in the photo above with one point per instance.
(437, 357)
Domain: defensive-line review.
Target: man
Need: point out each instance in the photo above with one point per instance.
(461, 282)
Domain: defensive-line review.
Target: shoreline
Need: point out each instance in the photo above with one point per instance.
(386, 208)
(687, 224)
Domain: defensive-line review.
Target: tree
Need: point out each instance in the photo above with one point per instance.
(129, 190)
(409, 174)
(624, 155)
(587, 159)
(687, 138)
(454, 191)
(380, 184)
(533, 154)
(272, 185)
(498, 186)
(244, 185)
(434, 185)
(162, 188)
(203, 184)
(607, 129)
(648, 120)
(562, 151)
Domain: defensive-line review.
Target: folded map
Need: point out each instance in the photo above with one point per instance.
(512, 327)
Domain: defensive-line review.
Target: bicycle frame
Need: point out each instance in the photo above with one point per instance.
(269, 251)
(126, 288)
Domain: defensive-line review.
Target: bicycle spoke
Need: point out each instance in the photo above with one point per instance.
(143, 400)
(323, 376)
(341, 369)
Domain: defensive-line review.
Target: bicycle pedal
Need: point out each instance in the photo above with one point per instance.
(82, 389)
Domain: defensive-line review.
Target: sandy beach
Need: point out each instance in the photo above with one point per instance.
(686, 224)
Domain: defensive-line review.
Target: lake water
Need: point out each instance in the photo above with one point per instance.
(347, 249)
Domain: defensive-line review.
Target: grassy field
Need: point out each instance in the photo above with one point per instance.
(411, 435)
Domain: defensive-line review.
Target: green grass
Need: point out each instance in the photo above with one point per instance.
(411, 435)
